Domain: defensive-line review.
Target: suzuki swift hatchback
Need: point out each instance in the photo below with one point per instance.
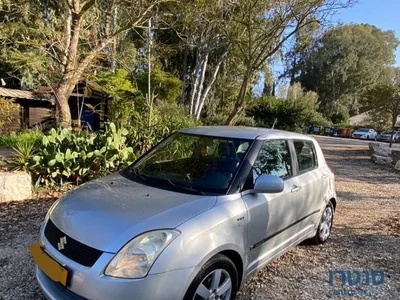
(190, 219)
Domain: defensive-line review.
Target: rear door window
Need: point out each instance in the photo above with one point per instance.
(306, 155)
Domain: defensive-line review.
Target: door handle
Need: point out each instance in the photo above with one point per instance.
(325, 175)
(295, 189)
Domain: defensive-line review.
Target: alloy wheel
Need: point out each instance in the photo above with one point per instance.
(326, 224)
(217, 285)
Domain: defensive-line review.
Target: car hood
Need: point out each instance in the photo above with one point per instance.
(108, 212)
(360, 132)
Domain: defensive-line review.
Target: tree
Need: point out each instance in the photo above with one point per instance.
(384, 101)
(263, 27)
(74, 34)
(343, 63)
(206, 37)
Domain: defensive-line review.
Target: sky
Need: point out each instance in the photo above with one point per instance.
(384, 14)
(381, 13)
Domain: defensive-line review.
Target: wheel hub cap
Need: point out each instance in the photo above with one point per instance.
(326, 224)
(217, 285)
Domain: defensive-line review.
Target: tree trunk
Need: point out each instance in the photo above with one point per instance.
(184, 79)
(195, 84)
(395, 113)
(209, 85)
(200, 87)
(63, 110)
(114, 42)
(67, 37)
(239, 105)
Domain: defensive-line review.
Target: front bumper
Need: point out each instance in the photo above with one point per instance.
(91, 283)
(383, 139)
(165, 286)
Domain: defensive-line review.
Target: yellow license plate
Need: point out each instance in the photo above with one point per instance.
(48, 265)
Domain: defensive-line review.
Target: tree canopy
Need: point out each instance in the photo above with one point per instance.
(343, 63)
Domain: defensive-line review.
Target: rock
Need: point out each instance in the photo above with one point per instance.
(379, 149)
(381, 160)
(383, 151)
(395, 155)
(15, 186)
(397, 166)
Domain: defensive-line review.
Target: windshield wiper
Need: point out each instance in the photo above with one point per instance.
(137, 174)
(182, 187)
(163, 179)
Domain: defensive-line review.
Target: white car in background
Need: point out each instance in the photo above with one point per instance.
(365, 134)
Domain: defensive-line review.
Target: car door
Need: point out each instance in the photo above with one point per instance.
(271, 216)
(311, 180)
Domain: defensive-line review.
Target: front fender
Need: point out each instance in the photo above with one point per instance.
(219, 229)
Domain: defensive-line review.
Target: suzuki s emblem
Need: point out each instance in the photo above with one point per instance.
(62, 243)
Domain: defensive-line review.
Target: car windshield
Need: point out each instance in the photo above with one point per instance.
(191, 163)
(363, 130)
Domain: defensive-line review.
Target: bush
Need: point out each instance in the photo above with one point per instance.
(166, 85)
(215, 120)
(9, 113)
(292, 114)
(165, 119)
(28, 137)
(220, 120)
(65, 156)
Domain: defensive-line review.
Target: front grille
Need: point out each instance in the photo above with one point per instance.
(73, 249)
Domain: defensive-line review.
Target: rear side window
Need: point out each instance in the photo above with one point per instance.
(306, 155)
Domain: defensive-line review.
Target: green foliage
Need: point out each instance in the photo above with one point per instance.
(166, 86)
(9, 113)
(117, 85)
(64, 156)
(220, 120)
(13, 139)
(215, 120)
(384, 101)
(340, 117)
(24, 154)
(293, 113)
(165, 119)
(124, 95)
(343, 63)
(23, 37)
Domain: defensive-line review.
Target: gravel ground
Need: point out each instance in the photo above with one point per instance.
(366, 237)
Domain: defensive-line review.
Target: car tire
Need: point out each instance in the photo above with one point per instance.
(205, 283)
(325, 226)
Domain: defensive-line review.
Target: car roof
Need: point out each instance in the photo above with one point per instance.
(241, 132)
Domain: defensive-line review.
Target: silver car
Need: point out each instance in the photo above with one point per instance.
(387, 135)
(192, 218)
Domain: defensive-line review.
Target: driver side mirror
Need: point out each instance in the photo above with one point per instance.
(269, 184)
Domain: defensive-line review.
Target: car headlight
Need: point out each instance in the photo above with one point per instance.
(135, 259)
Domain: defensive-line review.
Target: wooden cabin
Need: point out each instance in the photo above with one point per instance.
(37, 108)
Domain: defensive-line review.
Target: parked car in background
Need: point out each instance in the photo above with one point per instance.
(387, 135)
(364, 133)
(191, 219)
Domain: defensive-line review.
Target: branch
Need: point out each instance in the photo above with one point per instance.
(86, 7)
(279, 45)
(140, 19)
